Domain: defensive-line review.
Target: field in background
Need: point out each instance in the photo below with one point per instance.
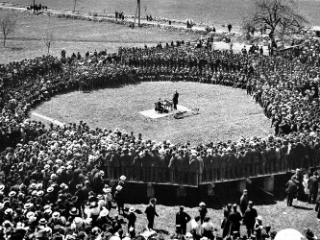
(77, 35)
(225, 113)
(216, 12)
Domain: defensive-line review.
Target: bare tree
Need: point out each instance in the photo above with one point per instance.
(8, 23)
(49, 40)
(277, 16)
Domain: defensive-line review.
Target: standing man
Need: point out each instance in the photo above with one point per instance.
(175, 99)
(244, 201)
(313, 187)
(182, 218)
(291, 189)
(151, 212)
(249, 218)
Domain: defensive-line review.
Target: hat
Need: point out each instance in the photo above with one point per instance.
(12, 194)
(259, 218)
(50, 189)
(118, 188)
(123, 178)
(30, 214)
(43, 221)
(48, 211)
(74, 211)
(1, 187)
(8, 211)
(189, 235)
(132, 209)
(47, 166)
(55, 215)
(106, 190)
(100, 197)
(28, 205)
(202, 204)
(40, 193)
(104, 212)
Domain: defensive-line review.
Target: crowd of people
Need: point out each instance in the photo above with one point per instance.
(54, 178)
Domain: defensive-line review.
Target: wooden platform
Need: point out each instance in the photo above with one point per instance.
(151, 113)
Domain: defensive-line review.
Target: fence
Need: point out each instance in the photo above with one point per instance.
(194, 178)
(154, 175)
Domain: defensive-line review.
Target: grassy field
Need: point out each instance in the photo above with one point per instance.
(225, 113)
(77, 35)
(279, 216)
(216, 12)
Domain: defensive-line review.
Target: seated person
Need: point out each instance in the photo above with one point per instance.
(158, 106)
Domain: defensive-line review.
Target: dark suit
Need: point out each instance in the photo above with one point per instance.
(182, 219)
(151, 213)
(313, 189)
(175, 100)
(291, 189)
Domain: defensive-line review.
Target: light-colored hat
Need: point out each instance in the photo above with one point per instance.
(50, 189)
(30, 214)
(123, 178)
(12, 194)
(131, 209)
(118, 188)
(55, 215)
(104, 212)
(259, 218)
(106, 190)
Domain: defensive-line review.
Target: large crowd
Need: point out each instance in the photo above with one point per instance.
(56, 179)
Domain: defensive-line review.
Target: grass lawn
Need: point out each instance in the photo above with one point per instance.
(216, 12)
(77, 35)
(225, 112)
(278, 215)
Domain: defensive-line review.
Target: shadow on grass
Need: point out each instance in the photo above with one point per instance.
(303, 207)
(162, 231)
(15, 48)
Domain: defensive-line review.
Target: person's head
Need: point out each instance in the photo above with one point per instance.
(153, 200)
(245, 191)
(234, 206)
(268, 228)
(181, 209)
(250, 204)
(206, 219)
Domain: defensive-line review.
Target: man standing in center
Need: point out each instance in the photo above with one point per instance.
(175, 99)
(151, 212)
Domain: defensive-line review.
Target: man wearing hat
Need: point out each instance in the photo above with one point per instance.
(119, 198)
(131, 221)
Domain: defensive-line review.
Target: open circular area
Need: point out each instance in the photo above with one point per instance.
(225, 112)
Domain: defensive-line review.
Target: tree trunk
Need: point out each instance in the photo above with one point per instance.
(4, 40)
(272, 38)
(74, 6)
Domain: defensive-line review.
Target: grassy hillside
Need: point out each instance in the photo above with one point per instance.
(216, 12)
(77, 35)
